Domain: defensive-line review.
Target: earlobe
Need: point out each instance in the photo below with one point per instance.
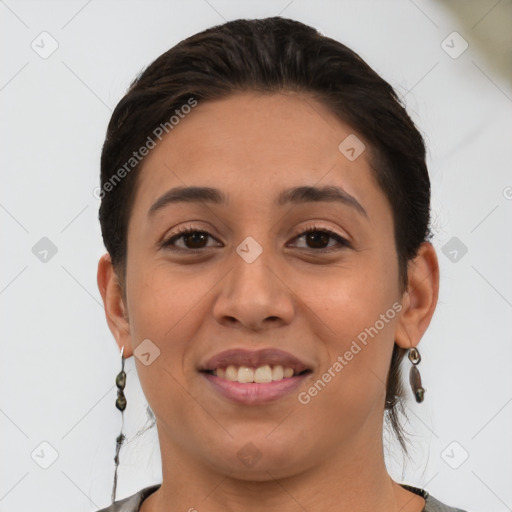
(115, 309)
(420, 300)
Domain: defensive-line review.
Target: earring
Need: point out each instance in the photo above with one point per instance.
(414, 375)
(121, 405)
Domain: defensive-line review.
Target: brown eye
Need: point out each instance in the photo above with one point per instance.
(317, 239)
(197, 239)
(192, 239)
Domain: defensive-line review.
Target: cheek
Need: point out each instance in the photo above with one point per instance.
(164, 307)
(351, 383)
(161, 302)
(356, 315)
(348, 300)
(168, 307)
(357, 326)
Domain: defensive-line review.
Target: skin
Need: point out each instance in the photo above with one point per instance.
(328, 454)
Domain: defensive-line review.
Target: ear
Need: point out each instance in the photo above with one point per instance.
(115, 309)
(420, 299)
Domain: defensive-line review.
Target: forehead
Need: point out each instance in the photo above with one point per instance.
(261, 144)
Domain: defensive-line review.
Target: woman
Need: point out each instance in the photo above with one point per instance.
(265, 208)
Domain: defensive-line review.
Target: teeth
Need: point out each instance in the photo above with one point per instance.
(277, 372)
(245, 374)
(231, 373)
(260, 375)
(263, 374)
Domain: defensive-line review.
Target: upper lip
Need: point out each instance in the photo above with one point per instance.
(254, 359)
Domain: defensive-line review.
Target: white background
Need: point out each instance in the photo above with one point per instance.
(59, 360)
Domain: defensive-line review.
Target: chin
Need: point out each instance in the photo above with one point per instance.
(250, 463)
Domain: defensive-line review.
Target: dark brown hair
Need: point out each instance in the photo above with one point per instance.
(268, 56)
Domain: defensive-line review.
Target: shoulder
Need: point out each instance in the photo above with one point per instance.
(131, 503)
(431, 504)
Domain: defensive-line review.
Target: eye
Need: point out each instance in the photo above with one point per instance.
(318, 237)
(194, 239)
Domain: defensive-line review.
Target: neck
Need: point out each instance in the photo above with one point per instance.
(353, 479)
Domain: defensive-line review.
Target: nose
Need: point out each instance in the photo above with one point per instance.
(255, 295)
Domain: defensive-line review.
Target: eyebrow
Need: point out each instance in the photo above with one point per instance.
(295, 195)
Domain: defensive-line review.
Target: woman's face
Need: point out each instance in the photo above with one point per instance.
(254, 280)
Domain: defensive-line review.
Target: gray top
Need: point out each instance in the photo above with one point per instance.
(134, 502)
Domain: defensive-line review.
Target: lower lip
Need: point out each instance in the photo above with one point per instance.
(254, 393)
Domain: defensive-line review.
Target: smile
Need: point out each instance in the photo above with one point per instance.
(253, 386)
(260, 375)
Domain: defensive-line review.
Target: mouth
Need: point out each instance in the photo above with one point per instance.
(261, 375)
(250, 378)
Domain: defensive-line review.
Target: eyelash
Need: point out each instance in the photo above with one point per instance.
(343, 242)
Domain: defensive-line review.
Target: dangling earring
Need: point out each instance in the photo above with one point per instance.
(121, 405)
(414, 375)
